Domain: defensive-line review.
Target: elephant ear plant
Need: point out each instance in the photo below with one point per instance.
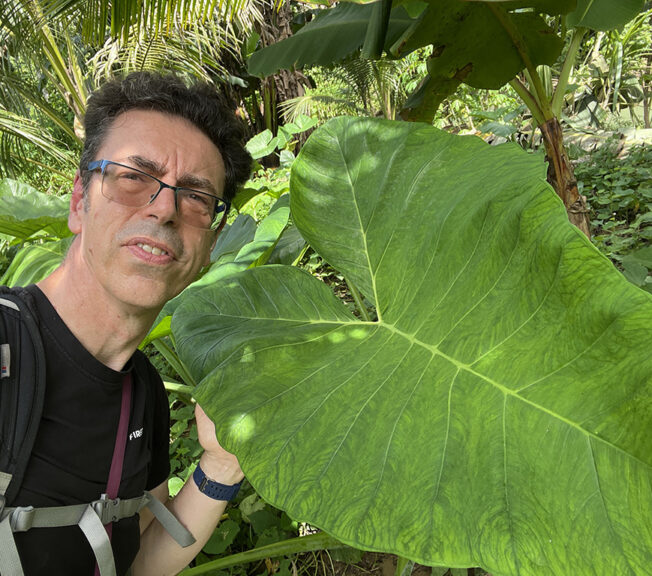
(495, 409)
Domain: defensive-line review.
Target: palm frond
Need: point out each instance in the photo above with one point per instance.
(159, 16)
(197, 52)
(16, 130)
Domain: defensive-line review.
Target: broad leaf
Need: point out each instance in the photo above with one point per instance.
(497, 414)
(262, 144)
(482, 44)
(290, 245)
(25, 211)
(604, 14)
(233, 238)
(331, 36)
(34, 262)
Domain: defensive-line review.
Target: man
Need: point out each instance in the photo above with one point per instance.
(159, 165)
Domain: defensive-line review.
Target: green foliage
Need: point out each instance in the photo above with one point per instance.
(360, 87)
(604, 14)
(334, 34)
(33, 262)
(619, 189)
(26, 212)
(482, 386)
(35, 226)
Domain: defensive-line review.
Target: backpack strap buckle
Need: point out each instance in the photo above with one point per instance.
(22, 518)
(107, 509)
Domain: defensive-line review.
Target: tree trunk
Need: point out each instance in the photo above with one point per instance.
(561, 176)
(286, 84)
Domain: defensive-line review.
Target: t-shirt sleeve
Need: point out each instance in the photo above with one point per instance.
(160, 467)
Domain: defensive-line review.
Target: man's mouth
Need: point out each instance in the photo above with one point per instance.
(151, 249)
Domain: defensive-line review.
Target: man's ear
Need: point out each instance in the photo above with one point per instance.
(77, 205)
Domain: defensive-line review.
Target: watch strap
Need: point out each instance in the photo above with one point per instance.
(212, 489)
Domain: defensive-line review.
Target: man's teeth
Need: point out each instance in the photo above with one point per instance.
(151, 249)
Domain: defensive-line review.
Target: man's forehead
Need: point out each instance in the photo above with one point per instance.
(160, 142)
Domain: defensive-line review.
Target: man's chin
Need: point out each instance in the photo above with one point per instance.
(148, 295)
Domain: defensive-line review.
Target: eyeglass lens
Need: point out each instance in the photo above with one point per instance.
(134, 188)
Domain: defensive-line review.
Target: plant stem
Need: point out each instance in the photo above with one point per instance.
(178, 388)
(172, 358)
(529, 100)
(309, 543)
(567, 66)
(404, 566)
(359, 302)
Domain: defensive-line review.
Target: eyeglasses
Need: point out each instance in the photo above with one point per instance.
(132, 187)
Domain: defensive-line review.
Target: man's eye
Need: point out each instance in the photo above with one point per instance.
(199, 198)
(135, 176)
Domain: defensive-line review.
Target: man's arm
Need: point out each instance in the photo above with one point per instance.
(159, 554)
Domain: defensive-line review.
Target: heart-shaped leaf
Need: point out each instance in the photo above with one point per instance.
(497, 413)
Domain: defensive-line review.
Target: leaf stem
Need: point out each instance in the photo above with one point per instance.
(529, 100)
(359, 301)
(567, 66)
(172, 358)
(178, 388)
(320, 541)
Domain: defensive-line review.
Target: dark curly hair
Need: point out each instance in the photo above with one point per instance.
(199, 103)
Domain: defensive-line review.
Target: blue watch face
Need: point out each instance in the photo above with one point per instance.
(212, 489)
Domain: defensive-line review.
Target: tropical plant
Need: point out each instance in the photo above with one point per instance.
(43, 91)
(361, 87)
(485, 417)
(484, 44)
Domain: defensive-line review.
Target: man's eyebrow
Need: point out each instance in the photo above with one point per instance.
(185, 181)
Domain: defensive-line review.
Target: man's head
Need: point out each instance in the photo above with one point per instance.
(150, 126)
(199, 103)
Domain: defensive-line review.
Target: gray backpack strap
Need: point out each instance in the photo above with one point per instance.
(95, 533)
(9, 559)
(91, 519)
(169, 521)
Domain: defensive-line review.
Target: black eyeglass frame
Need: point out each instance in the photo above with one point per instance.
(102, 164)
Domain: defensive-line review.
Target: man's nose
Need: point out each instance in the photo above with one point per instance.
(163, 205)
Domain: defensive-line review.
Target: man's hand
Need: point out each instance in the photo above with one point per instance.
(217, 463)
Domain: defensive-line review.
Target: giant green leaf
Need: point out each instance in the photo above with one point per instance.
(25, 211)
(498, 411)
(331, 36)
(604, 14)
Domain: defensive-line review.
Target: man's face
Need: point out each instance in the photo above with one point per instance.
(145, 256)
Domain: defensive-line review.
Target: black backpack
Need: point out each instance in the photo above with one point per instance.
(22, 388)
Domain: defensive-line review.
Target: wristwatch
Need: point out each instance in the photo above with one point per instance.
(213, 489)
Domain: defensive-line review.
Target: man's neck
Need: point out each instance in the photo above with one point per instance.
(108, 329)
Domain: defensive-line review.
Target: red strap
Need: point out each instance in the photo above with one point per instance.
(120, 440)
(115, 473)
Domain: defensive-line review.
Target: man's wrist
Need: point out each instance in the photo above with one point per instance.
(213, 489)
(219, 468)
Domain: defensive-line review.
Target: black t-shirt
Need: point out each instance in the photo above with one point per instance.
(72, 454)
